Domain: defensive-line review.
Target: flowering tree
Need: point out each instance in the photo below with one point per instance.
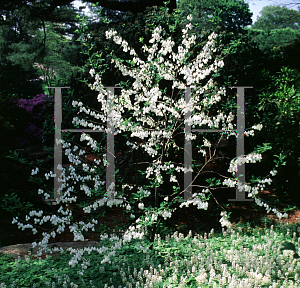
(145, 112)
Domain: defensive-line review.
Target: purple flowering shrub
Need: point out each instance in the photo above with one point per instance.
(32, 129)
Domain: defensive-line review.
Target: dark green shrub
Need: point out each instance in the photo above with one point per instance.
(278, 109)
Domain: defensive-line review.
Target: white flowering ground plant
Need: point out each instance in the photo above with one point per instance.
(156, 139)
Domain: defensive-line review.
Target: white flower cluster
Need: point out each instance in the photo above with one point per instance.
(255, 127)
(251, 158)
(166, 214)
(86, 189)
(95, 205)
(229, 182)
(278, 214)
(224, 220)
(206, 143)
(132, 234)
(34, 172)
(47, 175)
(165, 167)
(142, 192)
(91, 142)
(77, 234)
(196, 201)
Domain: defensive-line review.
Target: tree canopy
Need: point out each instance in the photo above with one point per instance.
(276, 17)
(277, 27)
(230, 15)
(44, 9)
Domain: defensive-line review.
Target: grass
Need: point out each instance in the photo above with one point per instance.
(246, 257)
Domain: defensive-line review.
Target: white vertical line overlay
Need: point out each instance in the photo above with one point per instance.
(240, 174)
(110, 152)
(188, 176)
(110, 155)
(57, 145)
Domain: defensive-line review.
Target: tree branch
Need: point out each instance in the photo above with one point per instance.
(132, 6)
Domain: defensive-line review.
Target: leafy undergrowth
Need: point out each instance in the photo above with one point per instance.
(246, 257)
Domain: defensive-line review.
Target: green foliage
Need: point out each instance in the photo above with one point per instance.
(277, 107)
(279, 111)
(290, 246)
(24, 44)
(271, 39)
(6, 125)
(13, 204)
(277, 27)
(230, 15)
(56, 66)
(171, 256)
(15, 69)
(274, 17)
